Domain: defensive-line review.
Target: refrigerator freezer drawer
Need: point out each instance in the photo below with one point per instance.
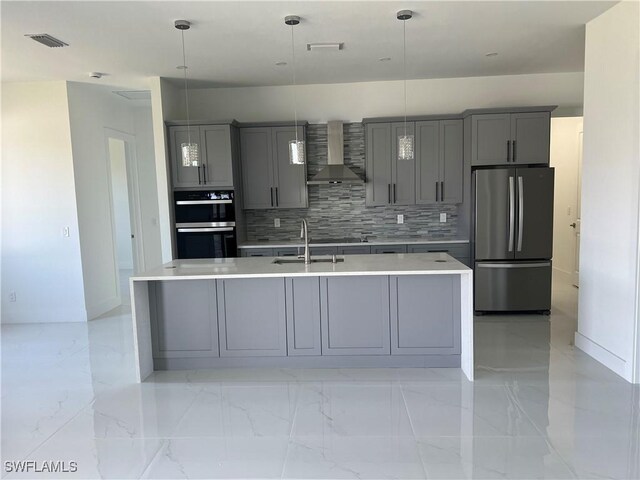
(512, 287)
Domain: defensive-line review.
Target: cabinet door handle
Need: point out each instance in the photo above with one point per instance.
(395, 196)
(442, 191)
(513, 151)
(199, 181)
(389, 192)
(437, 191)
(508, 151)
(271, 196)
(277, 202)
(204, 173)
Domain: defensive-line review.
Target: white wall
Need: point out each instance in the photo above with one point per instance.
(608, 316)
(93, 108)
(38, 200)
(120, 199)
(355, 101)
(165, 106)
(564, 158)
(147, 187)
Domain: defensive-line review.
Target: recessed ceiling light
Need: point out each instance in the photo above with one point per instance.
(384, 59)
(491, 54)
(281, 64)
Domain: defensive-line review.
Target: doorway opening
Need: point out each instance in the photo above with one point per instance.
(125, 210)
(566, 158)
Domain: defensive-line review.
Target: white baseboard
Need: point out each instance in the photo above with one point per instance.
(95, 311)
(43, 315)
(602, 355)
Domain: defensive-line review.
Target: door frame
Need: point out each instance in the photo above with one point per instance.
(133, 190)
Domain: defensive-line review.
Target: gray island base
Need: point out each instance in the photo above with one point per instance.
(392, 310)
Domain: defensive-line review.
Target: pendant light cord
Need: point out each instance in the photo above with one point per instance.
(186, 89)
(295, 102)
(404, 68)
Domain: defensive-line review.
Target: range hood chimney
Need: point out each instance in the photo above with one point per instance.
(335, 171)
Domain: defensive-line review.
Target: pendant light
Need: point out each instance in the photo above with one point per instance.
(189, 150)
(296, 147)
(405, 142)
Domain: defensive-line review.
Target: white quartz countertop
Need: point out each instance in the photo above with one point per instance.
(263, 267)
(395, 241)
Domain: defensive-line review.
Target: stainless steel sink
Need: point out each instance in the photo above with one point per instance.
(287, 260)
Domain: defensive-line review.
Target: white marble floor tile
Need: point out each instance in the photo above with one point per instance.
(337, 457)
(260, 410)
(464, 410)
(351, 410)
(230, 457)
(491, 458)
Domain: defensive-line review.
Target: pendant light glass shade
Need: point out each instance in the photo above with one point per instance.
(189, 154)
(405, 142)
(405, 147)
(297, 155)
(189, 149)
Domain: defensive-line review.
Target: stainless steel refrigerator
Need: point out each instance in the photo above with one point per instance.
(512, 239)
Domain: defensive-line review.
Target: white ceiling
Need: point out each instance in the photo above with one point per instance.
(238, 43)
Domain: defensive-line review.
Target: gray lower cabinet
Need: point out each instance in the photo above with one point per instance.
(425, 314)
(355, 315)
(184, 316)
(303, 316)
(252, 317)
(376, 249)
(354, 250)
(287, 251)
(323, 250)
(269, 180)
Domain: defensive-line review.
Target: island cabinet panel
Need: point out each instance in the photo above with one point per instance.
(354, 312)
(185, 317)
(303, 316)
(252, 317)
(425, 314)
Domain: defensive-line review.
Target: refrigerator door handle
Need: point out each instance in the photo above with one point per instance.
(520, 211)
(512, 212)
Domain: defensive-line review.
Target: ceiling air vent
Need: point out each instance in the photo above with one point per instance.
(46, 39)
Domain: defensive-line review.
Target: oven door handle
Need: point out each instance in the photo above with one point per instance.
(206, 230)
(202, 202)
(205, 224)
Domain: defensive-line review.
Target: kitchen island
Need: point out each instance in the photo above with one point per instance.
(391, 310)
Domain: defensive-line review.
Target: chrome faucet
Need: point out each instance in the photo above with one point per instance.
(304, 233)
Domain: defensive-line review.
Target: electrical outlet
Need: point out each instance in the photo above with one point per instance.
(400, 219)
(443, 218)
(276, 222)
(12, 296)
(66, 232)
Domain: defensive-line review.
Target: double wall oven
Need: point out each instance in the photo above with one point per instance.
(205, 224)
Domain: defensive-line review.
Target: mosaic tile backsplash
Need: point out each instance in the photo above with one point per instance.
(338, 211)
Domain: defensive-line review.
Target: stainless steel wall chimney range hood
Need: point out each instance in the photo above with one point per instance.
(335, 171)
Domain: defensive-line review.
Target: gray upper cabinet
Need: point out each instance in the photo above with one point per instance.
(185, 319)
(510, 138)
(530, 134)
(355, 315)
(252, 317)
(425, 316)
(269, 180)
(216, 157)
(389, 181)
(439, 161)
(378, 164)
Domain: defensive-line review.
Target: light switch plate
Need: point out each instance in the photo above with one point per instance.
(443, 218)
(400, 219)
(276, 222)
